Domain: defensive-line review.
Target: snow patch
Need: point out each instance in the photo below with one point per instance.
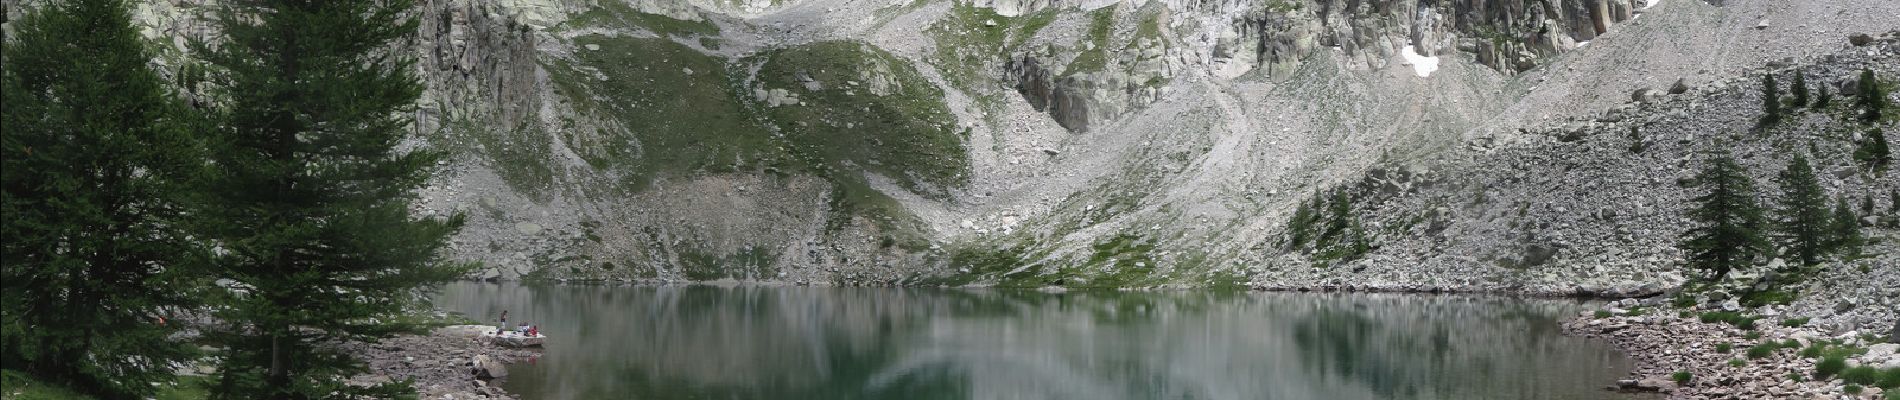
(1650, 3)
(1582, 43)
(1421, 64)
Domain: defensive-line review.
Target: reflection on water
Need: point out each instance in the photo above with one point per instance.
(701, 342)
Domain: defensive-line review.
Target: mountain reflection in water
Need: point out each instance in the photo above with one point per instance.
(749, 342)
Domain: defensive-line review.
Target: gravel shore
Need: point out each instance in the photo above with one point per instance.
(452, 362)
(1679, 354)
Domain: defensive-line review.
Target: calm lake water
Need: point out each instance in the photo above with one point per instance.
(704, 342)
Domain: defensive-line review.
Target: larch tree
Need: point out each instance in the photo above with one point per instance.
(1770, 100)
(1801, 216)
(1798, 90)
(311, 200)
(1844, 232)
(1728, 220)
(1869, 98)
(92, 157)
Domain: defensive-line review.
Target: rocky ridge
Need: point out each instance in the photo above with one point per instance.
(1147, 144)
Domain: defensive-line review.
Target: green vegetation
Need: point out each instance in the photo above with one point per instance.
(1802, 218)
(1798, 90)
(863, 109)
(522, 154)
(663, 95)
(1828, 366)
(1872, 150)
(623, 15)
(1770, 100)
(752, 263)
(1889, 379)
(309, 114)
(1728, 227)
(1330, 225)
(1601, 314)
(1794, 322)
(1736, 362)
(1845, 236)
(21, 386)
(1724, 347)
(1763, 349)
(92, 169)
(970, 39)
(1095, 56)
(1681, 377)
(1861, 375)
(1729, 317)
(1870, 98)
(983, 262)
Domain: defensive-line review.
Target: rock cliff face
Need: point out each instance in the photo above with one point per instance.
(1092, 142)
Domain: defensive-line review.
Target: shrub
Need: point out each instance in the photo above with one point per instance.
(1811, 351)
(1889, 379)
(1794, 322)
(1724, 347)
(1730, 317)
(1791, 344)
(1763, 350)
(1601, 314)
(1751, 335)
(1681, 377)
(1852, 389)
(1861, 375)
(1736, 362)
(1718, 316)
(1683, 300)
(1829, 366)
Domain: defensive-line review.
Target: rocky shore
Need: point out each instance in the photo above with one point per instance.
(1711, 355)
(452, 362)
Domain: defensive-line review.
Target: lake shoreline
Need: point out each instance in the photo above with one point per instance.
(448, 362)
(1688, 358)
(1580, 293)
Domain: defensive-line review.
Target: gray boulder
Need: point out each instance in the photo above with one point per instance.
(485, 367)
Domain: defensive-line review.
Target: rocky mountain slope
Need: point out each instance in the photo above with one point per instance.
(1096, 143)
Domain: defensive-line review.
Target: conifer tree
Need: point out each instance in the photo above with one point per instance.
(91, 153)
(1866, 205)
(1822, 99)
(311, 202)
(1802, 218)
(1300, 226)
(1728, 227)
(1844, 232)
(1873, 150)
(1770, 100)
(1338, 219)
(1871, 101)
(1799, 89)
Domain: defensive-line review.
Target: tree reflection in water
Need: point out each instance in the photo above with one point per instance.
(749, 342)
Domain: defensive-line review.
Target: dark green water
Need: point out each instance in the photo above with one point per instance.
(703, 342)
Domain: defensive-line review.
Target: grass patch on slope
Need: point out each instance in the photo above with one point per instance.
(863, 109)
(1095, 57)
(970, 40)
(521, 154)
(623, 15)
(679, 110)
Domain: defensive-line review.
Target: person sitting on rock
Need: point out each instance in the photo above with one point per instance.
(504, 323)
